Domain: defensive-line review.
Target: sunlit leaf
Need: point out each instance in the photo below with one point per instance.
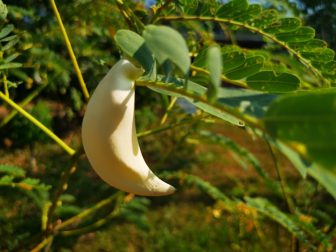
(134, 46)
(168, 44)
(307, 121)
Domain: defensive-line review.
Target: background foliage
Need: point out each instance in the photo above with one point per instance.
(238, 114)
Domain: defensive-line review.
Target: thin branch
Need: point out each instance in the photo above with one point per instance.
(70, 51)
(44, 243)
(169, 108)
(79, 217)
(38, 124)
(4, 80)
(28, 99)
(61, 188)
(171, 87)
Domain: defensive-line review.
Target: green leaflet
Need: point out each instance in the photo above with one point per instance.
(167, 44)
(268, 81)
(232, 60)
(134, 46)
(283, 25)
(319, 54)
(232, 9)
(251, 66)
(301, 34)
(306, 120)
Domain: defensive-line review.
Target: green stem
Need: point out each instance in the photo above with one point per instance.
(4, 79)
(28, 99)
(62, 187)
(223, 77)
(169, 108)
(79, 217)
(42, 244)
(70, 51)
(38, 124)
(99, 223)
(290, 207)
(171, 87)
(253, 29)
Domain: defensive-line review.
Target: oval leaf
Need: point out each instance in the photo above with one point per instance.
(214, 60)
(168, 44)
(251, 66)
(268, 81)
(300, 35)
(307, 121)
(134, 46)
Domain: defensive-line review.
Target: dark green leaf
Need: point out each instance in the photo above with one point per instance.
(232, 60)
(300, 35)
(319, 54)
(307, 121)
(168, 44)
(284, 25)
(252, 11)
(232, 9)
(268, 81)
(251, 66)
(265, 18)
(308, 45)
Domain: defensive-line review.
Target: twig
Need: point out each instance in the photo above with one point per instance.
(61, 188)
(4, 79)
(70, 51)
(169, 108)
(28, 99)
(295, 245)
(44, 243)
(38, 124)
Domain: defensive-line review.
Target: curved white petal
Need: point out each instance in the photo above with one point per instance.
(109, 135)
